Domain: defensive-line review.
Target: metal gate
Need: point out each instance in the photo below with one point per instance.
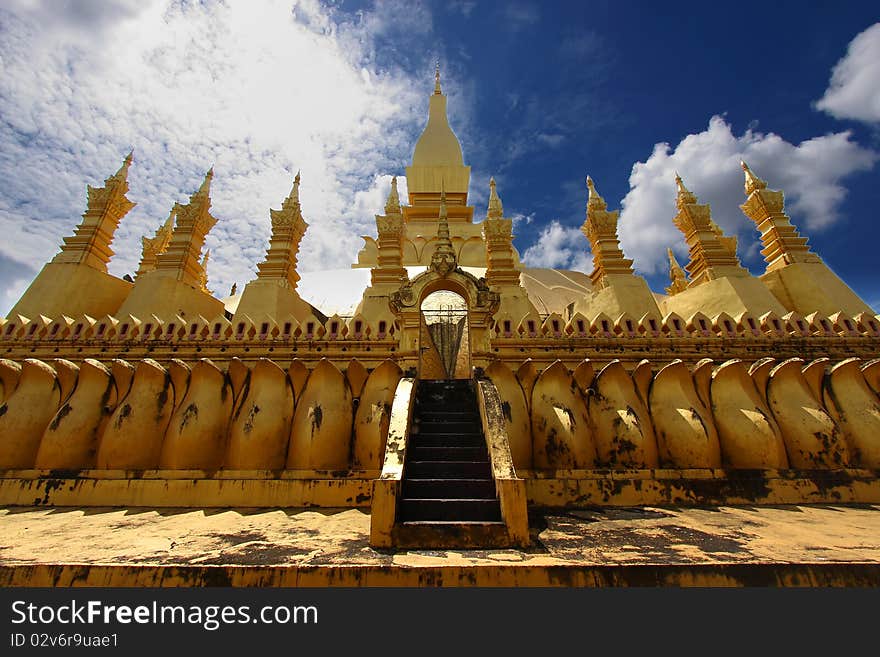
(447, 330)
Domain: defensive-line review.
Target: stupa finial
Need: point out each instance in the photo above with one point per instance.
(392, 205)
(294, 191)
(594, 200)
(496, 209)
(753, 183)
(685, 195)
(205, 187)
(437, 90)
(126, 163)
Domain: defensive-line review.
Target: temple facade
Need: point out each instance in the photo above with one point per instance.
(464, 387)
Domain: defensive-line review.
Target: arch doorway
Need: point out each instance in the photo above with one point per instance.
(444, 337)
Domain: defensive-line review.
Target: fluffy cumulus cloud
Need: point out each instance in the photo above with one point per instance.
(810, 173)
(854, 91)
(257, 91)
(559, 247)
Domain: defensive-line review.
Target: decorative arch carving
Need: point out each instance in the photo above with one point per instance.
(481, 302)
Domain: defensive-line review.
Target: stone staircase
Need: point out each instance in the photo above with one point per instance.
(448, 496)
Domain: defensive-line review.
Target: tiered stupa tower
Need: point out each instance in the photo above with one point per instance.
(174, 287)
(273, 293)
(718, 282)
(796, 276)
(82, 263)
(503, 265)
(616, 288)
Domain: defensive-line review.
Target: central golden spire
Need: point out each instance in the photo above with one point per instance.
(438, 145)
(437, 156)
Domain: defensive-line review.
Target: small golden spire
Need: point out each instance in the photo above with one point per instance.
(205, 188)
(392, 204)
(677, 277)
(753, 183)
(594, 200)
(437, 91)
(292, 200)
(685, 195)
(443, 260)
(496, 209)
(123, 170)
(203, 275)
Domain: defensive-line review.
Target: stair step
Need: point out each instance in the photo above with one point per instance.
(438, 488)
(449, 453)
(444, 534)
(449, 509)
(444, 426)
(444, 415)
(447, 439)
(447, 470)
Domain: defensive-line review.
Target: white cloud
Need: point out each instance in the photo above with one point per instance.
(518, 15)
(519, 219)
(854, 91)
(465, 7)
(560, 247)
(259, 91)
(810, 173)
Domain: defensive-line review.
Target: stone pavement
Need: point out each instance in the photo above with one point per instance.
(727, 545)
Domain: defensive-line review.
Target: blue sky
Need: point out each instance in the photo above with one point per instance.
(540, 95)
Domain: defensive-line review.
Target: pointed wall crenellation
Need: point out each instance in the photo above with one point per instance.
(153, 247)
(712, 254)
(288, 228)
(783, 244)
(90, 243)
(600, 228)
(181, 259)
